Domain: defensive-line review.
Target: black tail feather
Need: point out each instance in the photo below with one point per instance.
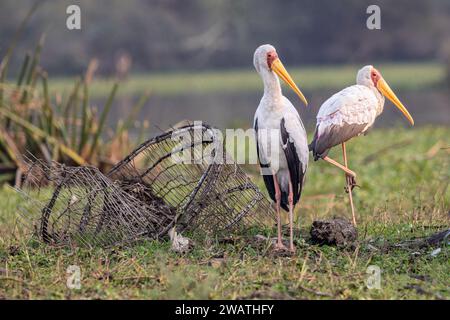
(313, 149)
(284, 201)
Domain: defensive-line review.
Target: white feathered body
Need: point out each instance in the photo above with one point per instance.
(344, 115)
(357, 104)
(269, 116)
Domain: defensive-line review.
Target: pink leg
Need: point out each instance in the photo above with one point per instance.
(291, 217)
(279, 245)
(348, 178)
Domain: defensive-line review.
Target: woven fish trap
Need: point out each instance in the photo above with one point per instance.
(190, 170)
(81, 206)
(182, 179)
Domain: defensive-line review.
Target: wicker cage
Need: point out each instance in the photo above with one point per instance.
(182, 178)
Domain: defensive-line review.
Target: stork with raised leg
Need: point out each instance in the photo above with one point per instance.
(281, 140)
(350, 113)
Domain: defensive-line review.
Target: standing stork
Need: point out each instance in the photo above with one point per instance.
(281, 140)
(349, 113)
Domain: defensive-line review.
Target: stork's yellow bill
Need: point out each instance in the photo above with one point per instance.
(278, 67)
(388, 93)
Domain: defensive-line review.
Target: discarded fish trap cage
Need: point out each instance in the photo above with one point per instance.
(182, 178)
(80, 205)
(190, 170)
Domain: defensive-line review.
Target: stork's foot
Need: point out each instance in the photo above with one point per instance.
(280, 247)
(292, 249)
(351, 184)
(280, 250)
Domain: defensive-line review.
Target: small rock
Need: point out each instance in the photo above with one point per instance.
(261, 238)
(435, 252)
(180, 244)
(372, 247)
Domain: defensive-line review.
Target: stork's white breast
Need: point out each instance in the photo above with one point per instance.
(357, 104)
(269, 118)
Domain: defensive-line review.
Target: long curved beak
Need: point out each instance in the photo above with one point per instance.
(388, 93)
(281, 71)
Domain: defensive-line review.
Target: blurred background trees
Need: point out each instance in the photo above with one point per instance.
(202, 34)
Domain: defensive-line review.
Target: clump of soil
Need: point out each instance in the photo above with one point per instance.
(335, 232)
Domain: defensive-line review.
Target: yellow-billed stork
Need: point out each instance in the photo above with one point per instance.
(281, 140)
(348, 114)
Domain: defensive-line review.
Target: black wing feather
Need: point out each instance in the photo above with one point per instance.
(295, 168)
(333, 136)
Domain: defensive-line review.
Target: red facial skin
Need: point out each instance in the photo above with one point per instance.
(271, 57)
(375, 76)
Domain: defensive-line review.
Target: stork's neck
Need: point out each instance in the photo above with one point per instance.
(272, 88)
(380, 99)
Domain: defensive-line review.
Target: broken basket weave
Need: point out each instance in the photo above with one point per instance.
(144, 195)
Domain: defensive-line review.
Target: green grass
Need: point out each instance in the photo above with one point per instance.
(404, 194)
(400, 76)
